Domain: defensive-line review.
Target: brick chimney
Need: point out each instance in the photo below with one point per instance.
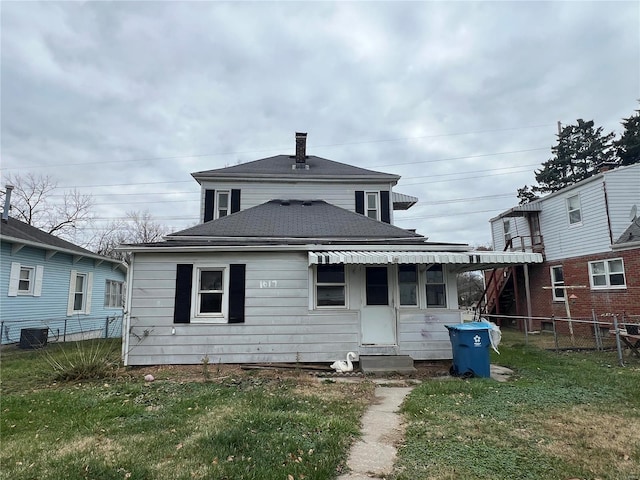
(301, 148)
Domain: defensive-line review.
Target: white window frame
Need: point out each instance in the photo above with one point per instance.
(86, 293)
(36, 274)
(571, 210)
(209, 317)
(220, 193)
(443, 283)
(506, 228)
(109, 286)
(417, 285)
(557, 283)
(30, 280)
(607, 275)
(376, 209)
(344, 284)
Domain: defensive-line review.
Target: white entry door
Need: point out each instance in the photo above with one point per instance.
(378, 320)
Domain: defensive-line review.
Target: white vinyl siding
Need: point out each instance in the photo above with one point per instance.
(607, 274)
(281, 323)
(256, 193)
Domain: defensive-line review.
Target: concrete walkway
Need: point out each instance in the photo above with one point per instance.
(374, 454)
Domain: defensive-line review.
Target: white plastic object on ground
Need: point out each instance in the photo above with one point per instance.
(495, 335)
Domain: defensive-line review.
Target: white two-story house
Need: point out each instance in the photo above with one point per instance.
(296, 260)
(589, 234)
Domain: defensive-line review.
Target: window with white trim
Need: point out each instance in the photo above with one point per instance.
(80, 293)
(26, 280)
(573, 210)
(607, 274)
(557, 281)
(211, 292)
(223, 202)
(80, 287)
(436, 287)
(113, 294)
(506, 226)
(408, 285)
(330, 286)
(372, 206)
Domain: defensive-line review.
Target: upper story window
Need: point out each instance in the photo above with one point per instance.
(557, 281)
(506, 226)
(330, 286)
(436, 287)
(408, 284)
(373, 205)
(607, 274)
(223, 203)
(573, 209)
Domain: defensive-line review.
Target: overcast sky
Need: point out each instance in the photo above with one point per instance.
(124, 100)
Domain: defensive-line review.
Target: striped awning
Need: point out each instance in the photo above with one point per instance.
(413, 257)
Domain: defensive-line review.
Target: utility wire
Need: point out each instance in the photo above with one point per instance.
(246, 152)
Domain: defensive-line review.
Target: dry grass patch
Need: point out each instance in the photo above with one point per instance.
(580, 429)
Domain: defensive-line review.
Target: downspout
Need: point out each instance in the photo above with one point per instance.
(606, 208)
(127, 313)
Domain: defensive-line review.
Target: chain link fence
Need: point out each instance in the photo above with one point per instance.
(32, 333)
(619, 333)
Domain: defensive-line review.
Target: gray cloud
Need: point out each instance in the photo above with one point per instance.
(104, 93)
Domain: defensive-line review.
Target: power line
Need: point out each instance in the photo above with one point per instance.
(246, 152)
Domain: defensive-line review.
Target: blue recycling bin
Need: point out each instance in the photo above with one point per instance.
(470, 344)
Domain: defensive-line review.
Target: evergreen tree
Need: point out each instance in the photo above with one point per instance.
(580, 150)
(628, 146)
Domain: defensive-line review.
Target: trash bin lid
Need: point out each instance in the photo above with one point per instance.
(470, 326)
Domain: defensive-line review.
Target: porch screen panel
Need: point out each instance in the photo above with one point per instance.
(377, 286)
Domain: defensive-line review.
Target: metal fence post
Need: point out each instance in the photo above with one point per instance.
(64, 333)
(555, 333)
(596, 331)
(1, 331)
(618, 345)
(106, 328)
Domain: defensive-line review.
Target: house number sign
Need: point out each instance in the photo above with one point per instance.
(268, 284)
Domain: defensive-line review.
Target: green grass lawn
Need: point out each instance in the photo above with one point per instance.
(235, 425)
(562, 416)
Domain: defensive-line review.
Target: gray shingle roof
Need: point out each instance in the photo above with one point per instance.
(631, 234)
(280, 166)
(15, 229)
(298, 219)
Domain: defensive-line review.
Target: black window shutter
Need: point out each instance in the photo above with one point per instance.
(235, 201)
(209, 204)
(360, 202)
(182, 306)
(384, 206)
(236, 292)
